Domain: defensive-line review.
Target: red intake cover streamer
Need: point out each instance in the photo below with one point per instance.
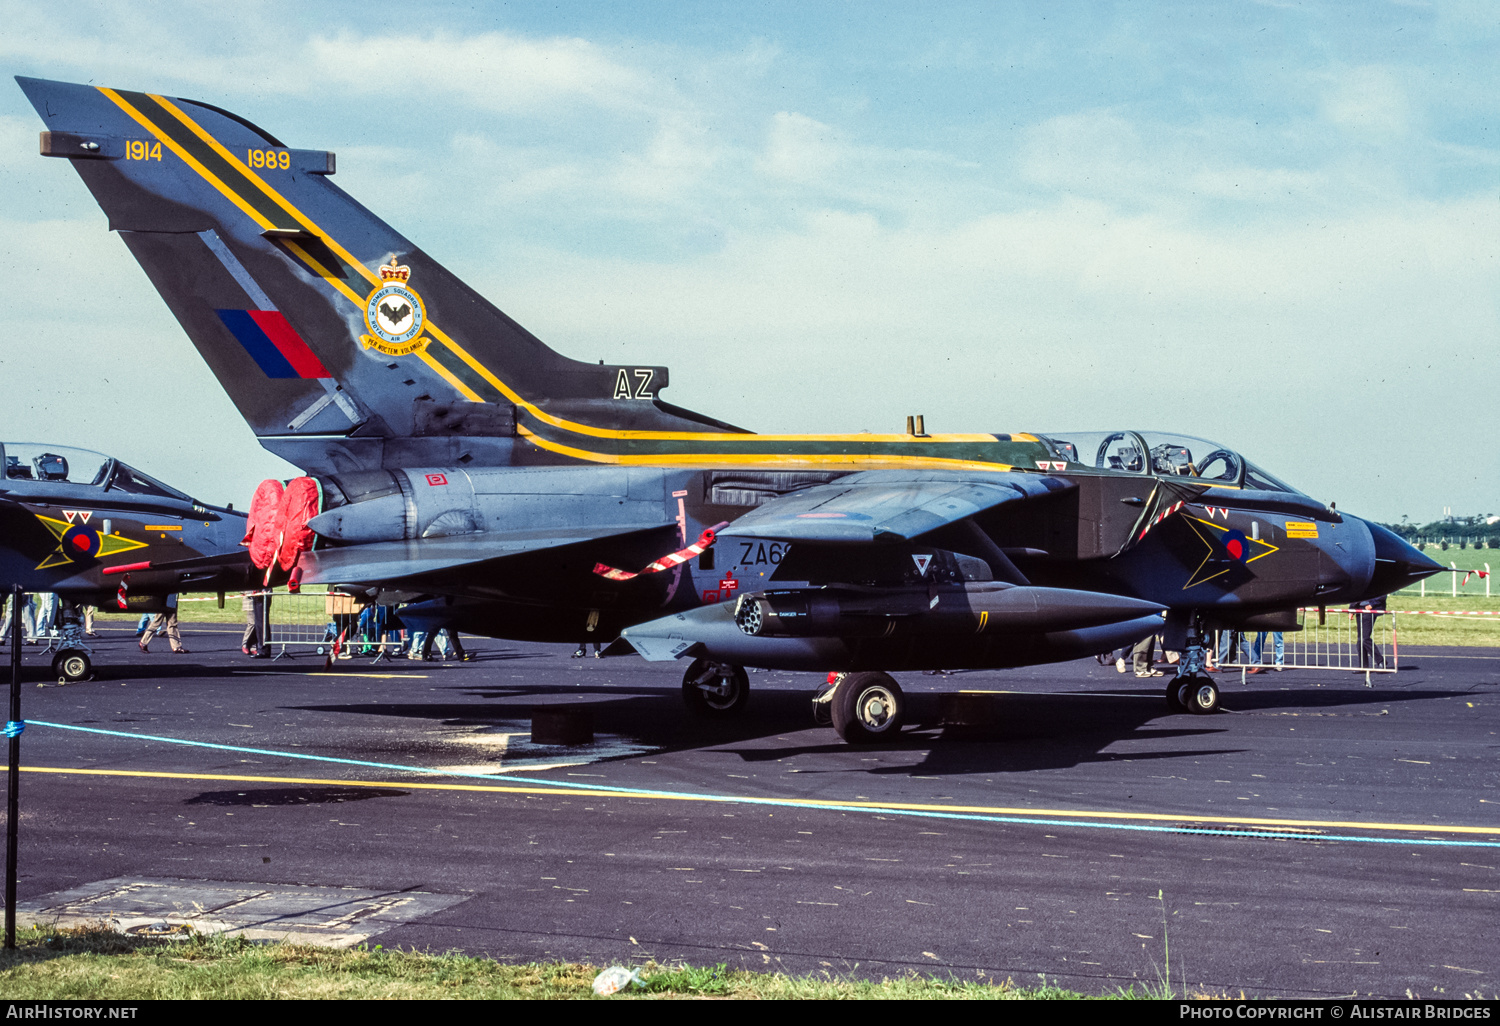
(263, 536)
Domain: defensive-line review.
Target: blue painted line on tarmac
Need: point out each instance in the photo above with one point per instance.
(1249, 831)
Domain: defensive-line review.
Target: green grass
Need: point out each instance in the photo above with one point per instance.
(1446, 630)
(199, 608)
(63, 965)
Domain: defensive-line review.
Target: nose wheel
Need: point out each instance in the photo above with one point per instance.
(1194, 695)
(72, 665)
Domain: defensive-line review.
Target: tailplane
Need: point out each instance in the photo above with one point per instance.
(342, 344)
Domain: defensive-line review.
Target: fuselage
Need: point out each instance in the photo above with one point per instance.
(1242, 544)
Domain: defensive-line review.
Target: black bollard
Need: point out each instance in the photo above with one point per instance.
(12, 793)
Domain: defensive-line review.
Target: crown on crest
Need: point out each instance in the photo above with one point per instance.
(394, 272)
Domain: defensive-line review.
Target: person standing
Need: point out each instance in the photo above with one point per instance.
(165, 623)
(431, 637)
(1143, 657)
(256, 641)
(1371, 655)
(44, 615)
(1278, 646)
(11, 611)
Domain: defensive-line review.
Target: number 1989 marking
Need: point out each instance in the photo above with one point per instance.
(269, 159)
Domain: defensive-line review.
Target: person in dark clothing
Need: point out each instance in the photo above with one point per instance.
(1371, 655)
(458, 648)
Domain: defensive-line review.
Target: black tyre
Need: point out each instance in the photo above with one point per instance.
(1201, 696)
(715, 689)
(868, 707)
(1174, 690)
(72, 665)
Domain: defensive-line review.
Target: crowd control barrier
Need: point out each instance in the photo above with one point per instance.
(323, 624)
(1353, 640)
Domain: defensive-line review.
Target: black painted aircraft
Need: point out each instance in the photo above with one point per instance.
(518, 493)
(67, 516)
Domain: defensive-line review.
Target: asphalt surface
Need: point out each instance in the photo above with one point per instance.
(1057, 834)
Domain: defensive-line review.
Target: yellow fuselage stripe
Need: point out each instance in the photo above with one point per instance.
(810, 803)
(716, 459)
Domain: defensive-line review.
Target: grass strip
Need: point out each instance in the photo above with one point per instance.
(53, 964)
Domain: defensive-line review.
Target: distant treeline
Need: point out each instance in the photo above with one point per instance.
(1464, 533)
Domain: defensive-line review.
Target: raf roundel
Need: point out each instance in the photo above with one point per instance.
(394, 314)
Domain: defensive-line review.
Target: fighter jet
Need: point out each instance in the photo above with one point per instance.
(98, 532)
(510, 491)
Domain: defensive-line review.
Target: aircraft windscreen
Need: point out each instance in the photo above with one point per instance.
(128, 479)
(1156, 452)
(29, 461)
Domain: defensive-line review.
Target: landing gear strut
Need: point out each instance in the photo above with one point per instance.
(1191, 690)
(715, 690)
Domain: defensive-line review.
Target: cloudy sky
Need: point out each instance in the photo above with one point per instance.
(1275, 225)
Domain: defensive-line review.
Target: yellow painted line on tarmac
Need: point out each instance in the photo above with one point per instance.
(413, 785)
(812, 803)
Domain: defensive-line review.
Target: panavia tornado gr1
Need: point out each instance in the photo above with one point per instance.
(98, 532)
(509, 491)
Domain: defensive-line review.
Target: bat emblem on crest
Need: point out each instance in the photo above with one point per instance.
(395, 314)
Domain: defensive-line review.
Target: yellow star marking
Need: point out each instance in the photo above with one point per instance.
(109, 544)
(1208, 544)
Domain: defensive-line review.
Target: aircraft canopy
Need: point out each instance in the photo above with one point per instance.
(1157, 452)
(63, 464)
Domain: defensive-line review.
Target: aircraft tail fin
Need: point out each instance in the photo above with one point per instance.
(341, 343)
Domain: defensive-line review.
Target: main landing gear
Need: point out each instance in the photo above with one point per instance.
(865, 708)
(716, 690)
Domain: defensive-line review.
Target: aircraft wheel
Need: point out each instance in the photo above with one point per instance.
(715, 689)
(868, 707)
(1174, 694)
(1200, 695)
(72, 665)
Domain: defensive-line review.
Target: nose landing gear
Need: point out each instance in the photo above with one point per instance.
(1193, 694)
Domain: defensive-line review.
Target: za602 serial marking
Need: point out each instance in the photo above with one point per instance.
(142, 149)
(269, 159)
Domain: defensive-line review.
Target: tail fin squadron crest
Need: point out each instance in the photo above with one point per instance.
(342, 344)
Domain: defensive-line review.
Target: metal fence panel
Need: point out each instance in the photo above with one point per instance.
(312, 622)
(1357, 640)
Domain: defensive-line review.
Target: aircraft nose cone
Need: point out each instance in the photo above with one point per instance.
(1397, 563)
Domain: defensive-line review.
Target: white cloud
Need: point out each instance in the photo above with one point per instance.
(798, 148)
(490, 71)
(1291, 341)
(1105, 155)
(1369, 100)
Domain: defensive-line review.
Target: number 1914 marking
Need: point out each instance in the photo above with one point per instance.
(141, 149)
